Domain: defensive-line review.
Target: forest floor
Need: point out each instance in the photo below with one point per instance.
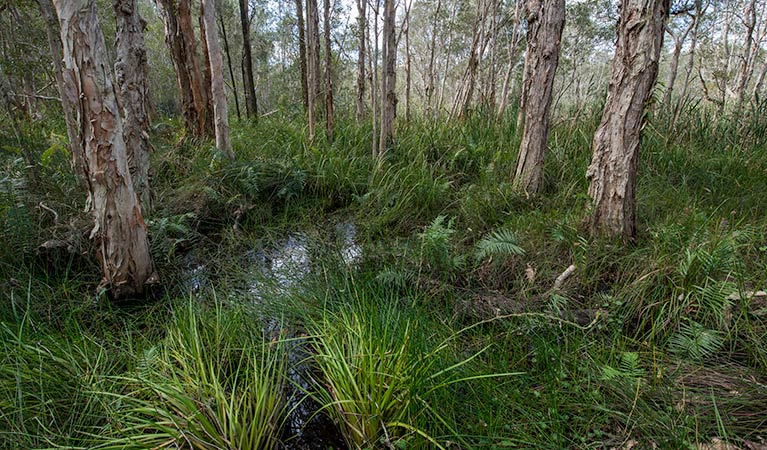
(313, 297)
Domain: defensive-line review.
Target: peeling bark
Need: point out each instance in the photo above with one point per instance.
(119, 231)
(67, 103)
(545, 22)
(302, 52)
(388, 78)
(328, 75)
(179, 35)
(131, 76)
(313, 60)
(613, 170)
(216, 71)
(362, 24)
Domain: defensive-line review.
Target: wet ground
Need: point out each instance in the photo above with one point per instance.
(279, 269)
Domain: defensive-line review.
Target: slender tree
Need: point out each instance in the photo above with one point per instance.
(67, 104)
(388, 78)
(132, 81)
(224, 35)
(514, 40)
(313, 78)
(179, 35)
(613, 170)
(545, 21)
(431, 75)
(119, 231)
(328, 74)
(216, 70)
(302, 53)
(251, 106)
(362, 25)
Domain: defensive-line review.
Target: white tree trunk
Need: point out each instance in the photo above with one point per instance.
(120, 231)
(217, 86)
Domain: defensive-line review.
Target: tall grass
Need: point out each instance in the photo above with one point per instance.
(457, 283)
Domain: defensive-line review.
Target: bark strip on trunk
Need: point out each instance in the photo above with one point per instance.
(179, 35)
(613, 170)
(67, 104)
(216, 71)
(131, 76)
(119, 231)
(545, 21)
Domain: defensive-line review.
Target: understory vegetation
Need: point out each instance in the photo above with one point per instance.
(315, 297)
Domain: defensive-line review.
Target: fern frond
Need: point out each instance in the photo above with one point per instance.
(499, 243)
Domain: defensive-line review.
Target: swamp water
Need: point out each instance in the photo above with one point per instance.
(279, 270)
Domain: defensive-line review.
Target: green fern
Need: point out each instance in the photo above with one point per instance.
(500, 243)
(695, 342)
(627, 368)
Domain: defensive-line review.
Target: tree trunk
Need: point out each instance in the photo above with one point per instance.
(5, 96)
(760, 82)
(408, 80)
(545, 21)
(746, 68)
(120, 231)
(673, 70)
(613, 170)
(375, 95)
(131, 75)
(206, 79)
(388, 78)
(430, 83)
(302, 52)
(67, 104)
(216, 70)
(700, 9)
(179, 35)
(229, 64)
(328, 75)
(251, 106)
(362, 21)
(507, 79)
(313, 62)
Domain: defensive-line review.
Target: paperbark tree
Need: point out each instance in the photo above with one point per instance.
(119, 231)
(180, 38)
(302, 53)
(388, 78)
(512, 55)
(313, 62)
(545, 22)
(251, 106)
(133, 84)
(328, 74)
(431, 75)
(679, 38)
(746, 64)
(613, 170)
(362, 25)
(216, 71)
(67, 104)
(229, 65)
